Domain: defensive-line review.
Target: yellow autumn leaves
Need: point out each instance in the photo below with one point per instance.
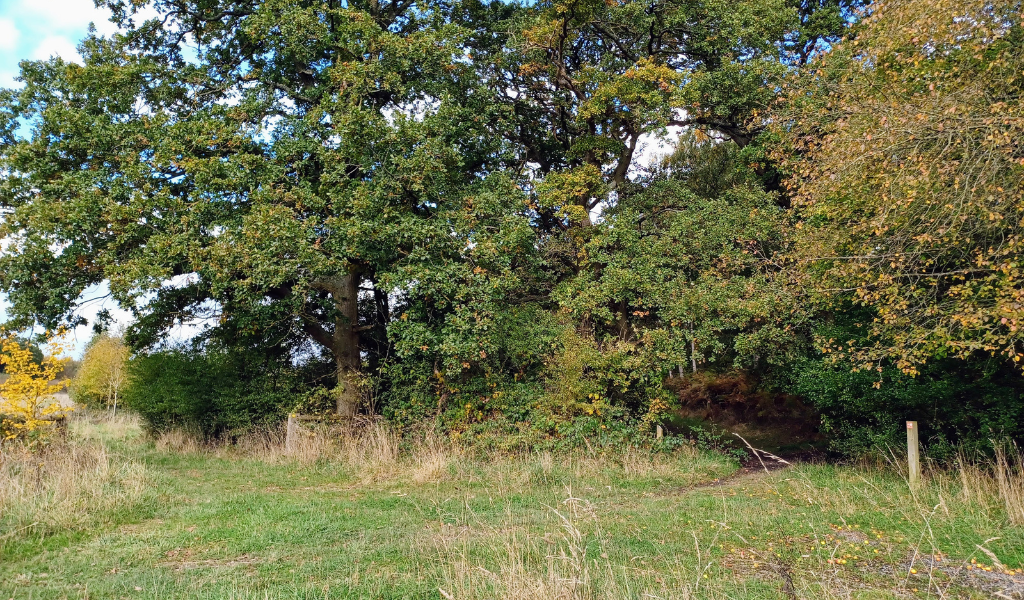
(27, 395)
(103, 375)
(907, 181)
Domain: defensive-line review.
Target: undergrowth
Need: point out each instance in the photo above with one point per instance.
(62, 485)
(368, 512)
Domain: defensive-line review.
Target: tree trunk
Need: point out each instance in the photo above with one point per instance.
(343, 341)
(347, 357)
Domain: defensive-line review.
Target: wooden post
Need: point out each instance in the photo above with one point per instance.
(289, 436)
(661, 433)
(913, 455)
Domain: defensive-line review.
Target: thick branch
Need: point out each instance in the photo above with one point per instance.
(737, 134)
(291, 93)
(318, 333)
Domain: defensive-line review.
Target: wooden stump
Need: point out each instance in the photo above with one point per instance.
(293, 429)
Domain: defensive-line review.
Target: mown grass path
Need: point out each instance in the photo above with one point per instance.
(225, 526)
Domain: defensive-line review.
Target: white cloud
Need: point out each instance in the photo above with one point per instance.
(653, 148)
(7, 79)
(66, 14)
(8, 35)
(56, 45)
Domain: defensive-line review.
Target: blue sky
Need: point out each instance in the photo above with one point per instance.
(38, 29)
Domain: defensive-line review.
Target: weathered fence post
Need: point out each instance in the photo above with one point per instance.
(289, 436)
(660, 433)
(913, 455)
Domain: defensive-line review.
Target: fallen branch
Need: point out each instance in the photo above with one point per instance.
(758, 453)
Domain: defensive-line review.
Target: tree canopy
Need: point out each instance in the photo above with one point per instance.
(909, 173)
(454, 204)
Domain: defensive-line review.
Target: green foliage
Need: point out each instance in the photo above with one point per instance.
(680, 271)
(907, 173)
(959, 404)
(439, 206)
(102, 375)
(213, 391)
(261, 162)
(591, 383)
(712, 439)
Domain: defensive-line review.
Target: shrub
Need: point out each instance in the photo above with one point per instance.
(27, 405)
(212, 391)
(956, 402)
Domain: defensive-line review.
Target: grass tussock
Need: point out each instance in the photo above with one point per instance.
(377, 452)
(102, 426)
(61, 486)
(179, 441)
(993, 485)
(1009, 470)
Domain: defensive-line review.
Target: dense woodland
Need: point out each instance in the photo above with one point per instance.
(447, 212)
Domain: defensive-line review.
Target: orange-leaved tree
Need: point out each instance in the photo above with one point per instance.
(27, 397)
(908, 171)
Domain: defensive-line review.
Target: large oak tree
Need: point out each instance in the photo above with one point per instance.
(265, 164)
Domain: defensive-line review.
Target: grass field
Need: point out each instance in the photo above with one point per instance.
(366, 518)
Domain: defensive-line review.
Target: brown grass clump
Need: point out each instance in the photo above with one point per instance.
(266, 445)
(60, 486)
(432, 456)
(1000, 482)
(101, 426)
(375, 448)
(374, 451)
(179, 441)
(1009, 472)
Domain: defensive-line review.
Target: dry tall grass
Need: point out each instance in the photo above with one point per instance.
(62, 485)
(999, 483)
(378, 452)
(570, 560)
(178, 441)
(990, 485)
(374, 451)
(100, 425)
